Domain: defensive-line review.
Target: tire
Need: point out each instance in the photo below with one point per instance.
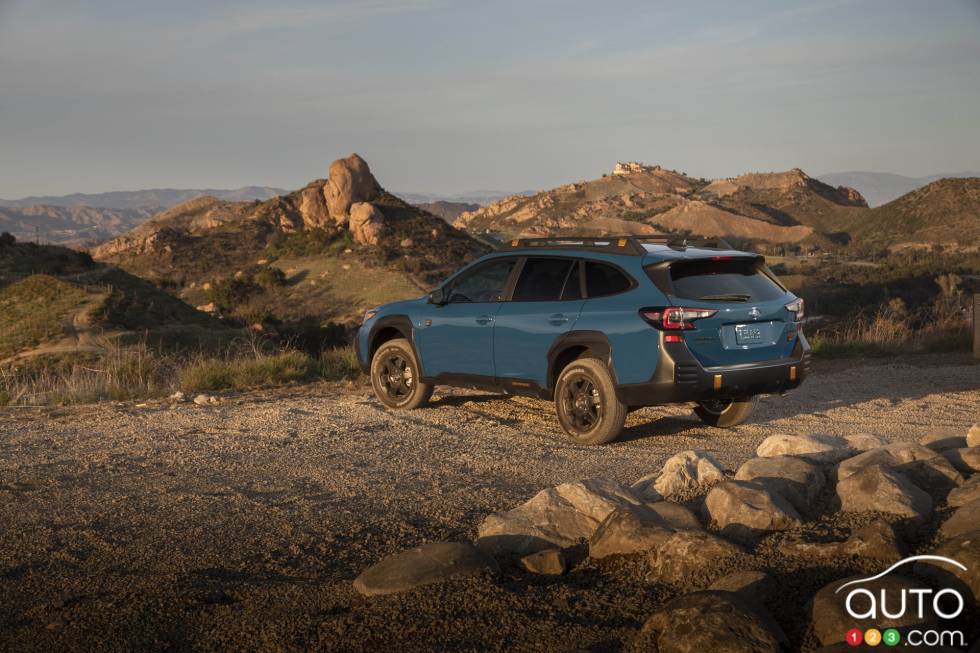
(586, 403)
(395, 376)
(725, 415)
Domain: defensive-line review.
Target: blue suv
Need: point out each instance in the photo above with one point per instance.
(600, 326)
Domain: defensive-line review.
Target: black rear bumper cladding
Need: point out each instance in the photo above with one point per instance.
(680, 378)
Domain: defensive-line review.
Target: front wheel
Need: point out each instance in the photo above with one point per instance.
(725, 413)
(586, 403)
(395, 376)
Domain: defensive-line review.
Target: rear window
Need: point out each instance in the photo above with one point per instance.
(602, 279)
(735, 281)
(542, 280)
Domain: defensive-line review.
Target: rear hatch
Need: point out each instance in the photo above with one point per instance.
(751, 323)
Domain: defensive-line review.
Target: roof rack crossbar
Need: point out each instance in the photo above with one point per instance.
(619, 244)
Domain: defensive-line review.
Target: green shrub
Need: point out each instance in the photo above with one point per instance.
(270, 277)
(210, 375)
(340, 363)
(230, 292)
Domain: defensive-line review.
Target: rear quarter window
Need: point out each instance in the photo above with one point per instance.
(602, 280)
(731, 280)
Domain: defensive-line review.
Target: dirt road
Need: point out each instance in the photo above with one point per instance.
(240, 526)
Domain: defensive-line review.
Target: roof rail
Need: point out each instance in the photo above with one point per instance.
(632, 245)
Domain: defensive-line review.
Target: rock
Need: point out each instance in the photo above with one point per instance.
(821, 448)
(206, 400)
(966, 493)
(797, 479)
(964, 549)
(178, 397)
(937, 476)
(313, 207)
(877, 488)
(864, 441)
(745, 509)
(963, 520)
(831, 620)
(406, 242)
(210, 307)
(966, 460)
(366, 223)
(676, 516)
(890, 455)
(943, 439)
(550, 562)
(559, 516)
(644, 488)
(629, 529)
(350, 181)
(973, 436)
(750, 585)
(719, 622)
(876, 540)
(688, 470)
(686, 554)
(430, 563)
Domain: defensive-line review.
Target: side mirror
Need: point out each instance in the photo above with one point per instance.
(437, 297)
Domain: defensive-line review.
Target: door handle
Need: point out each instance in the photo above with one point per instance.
(484, 319)
(557, 318)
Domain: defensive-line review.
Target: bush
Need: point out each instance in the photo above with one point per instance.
(230, 292)
(339, 364)
(270, 277)
(210, 375)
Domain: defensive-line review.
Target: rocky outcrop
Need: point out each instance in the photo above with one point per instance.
(350, 181)
(366, 223)
(430, 563)
(313, 207)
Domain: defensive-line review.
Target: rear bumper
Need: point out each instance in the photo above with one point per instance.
(680, 378)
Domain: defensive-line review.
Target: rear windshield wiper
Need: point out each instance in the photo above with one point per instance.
(732, 297)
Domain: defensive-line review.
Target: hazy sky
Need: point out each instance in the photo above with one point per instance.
(456, 96)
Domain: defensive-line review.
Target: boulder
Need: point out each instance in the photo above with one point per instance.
(349, 181)
(750, 584)
(719, 622)
(430, 563)
(745, 509)
(864, 441)
(964, 549)
(876, 540)
(877, 488)
(966, 493)
(973, 436)
(687, 471)
(313, 208)
(797, 479)
(890, 455)
(687, 554)
(366, 223)
(629, 529)
(550, 562)
(965, 460)
(676, 516)
(831, 620)
(963, 520)
(818, 447)
(937, 476)
(559, 516)
(942, 439)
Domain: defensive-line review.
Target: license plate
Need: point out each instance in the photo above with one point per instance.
(747, 334)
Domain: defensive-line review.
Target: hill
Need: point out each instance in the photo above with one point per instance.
(448, 211)
(58, 301)
(882, 187)
(946, 211)
(69, 225)
(320, 254)
(786, 207)
(152, 199)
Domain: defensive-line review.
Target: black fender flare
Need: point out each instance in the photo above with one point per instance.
(402, 324)
(597, 341)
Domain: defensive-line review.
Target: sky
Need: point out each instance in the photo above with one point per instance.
(447, 97)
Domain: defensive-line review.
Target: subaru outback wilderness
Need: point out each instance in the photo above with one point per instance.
(600, 326)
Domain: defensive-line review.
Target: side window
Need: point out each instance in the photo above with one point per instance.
(542, 280)
(602, 279)
(484, 283)
(573, 284)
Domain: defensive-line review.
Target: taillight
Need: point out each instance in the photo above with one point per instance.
(675, 318)
(796, 308)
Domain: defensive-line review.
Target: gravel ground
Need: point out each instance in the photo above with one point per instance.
(240, 526)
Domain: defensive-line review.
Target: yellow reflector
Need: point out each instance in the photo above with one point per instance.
(792, 372)
(513, 243)
(717, 381)
(622, 242)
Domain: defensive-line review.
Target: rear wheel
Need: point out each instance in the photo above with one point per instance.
(586, 403)
(395, 376)
(725, 413)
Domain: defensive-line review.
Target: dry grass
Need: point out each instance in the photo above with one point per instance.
(138, 372)
(892, 329)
